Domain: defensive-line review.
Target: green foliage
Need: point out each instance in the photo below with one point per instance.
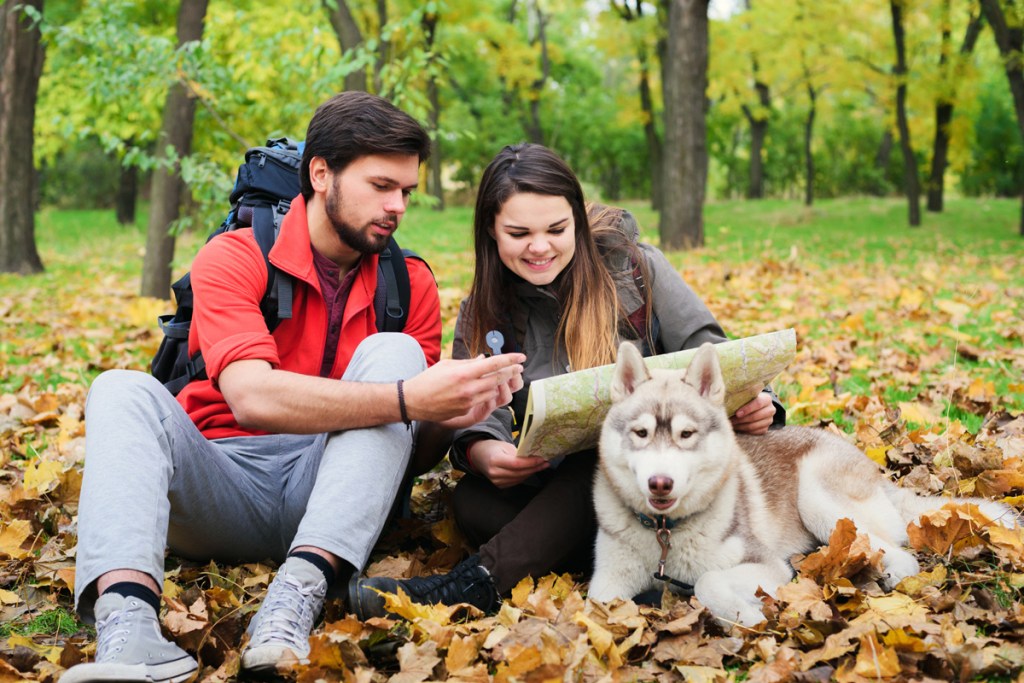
(996, 165)
(81, 175)
(261, 69)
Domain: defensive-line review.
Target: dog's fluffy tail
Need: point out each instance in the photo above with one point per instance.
(912, 505)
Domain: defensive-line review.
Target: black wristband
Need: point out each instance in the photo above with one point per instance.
(401, 405)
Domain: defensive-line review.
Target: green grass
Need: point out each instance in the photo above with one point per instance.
(54, 622)
(969, 256)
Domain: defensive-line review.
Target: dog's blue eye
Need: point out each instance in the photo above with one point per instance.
(640, 432)
(685, 434)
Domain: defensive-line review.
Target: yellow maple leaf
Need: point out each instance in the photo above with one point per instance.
(522, 660)
(462, 652)
(601, 639)
(401, 604)
(50, 653)
(894, 607)
(877, 453)
(874, 660)
(918, 413)
(43, 475)
(12, 536)
(9, 597)
(899, 639)
(1008, 543)
(913, 585)
(521, 592)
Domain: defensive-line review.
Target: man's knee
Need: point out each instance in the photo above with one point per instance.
(386, 357)
(115, 383)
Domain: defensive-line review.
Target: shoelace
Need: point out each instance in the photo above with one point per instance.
(112, 633)
(288, 610)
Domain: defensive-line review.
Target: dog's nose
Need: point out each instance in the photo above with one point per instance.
(660, 485)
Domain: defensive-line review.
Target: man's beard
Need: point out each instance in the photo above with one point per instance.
(362, 240)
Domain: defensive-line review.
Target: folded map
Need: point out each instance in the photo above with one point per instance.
(564, 413)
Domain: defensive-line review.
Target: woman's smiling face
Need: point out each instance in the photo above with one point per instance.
(536, 236)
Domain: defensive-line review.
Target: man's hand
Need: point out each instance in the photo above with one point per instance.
(460, 393)
(497, 460)
(754, 417)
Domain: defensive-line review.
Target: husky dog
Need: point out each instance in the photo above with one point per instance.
(729, 510)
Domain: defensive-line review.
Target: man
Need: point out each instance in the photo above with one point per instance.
(296, 445)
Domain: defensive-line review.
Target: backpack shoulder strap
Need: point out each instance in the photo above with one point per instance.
(277, 300)
(276, 304)
(393, 278)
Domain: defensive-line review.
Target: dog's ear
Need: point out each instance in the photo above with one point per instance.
(705, 374)
(630, 372)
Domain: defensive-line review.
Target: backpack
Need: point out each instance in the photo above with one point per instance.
(264, 188)
(625, 222)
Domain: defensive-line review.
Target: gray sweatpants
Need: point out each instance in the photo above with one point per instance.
(153, 481)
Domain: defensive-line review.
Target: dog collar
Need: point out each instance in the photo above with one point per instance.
(659, 522)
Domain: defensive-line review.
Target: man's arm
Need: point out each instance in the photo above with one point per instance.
(455, 393)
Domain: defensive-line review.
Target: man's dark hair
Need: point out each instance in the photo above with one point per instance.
(354, 124)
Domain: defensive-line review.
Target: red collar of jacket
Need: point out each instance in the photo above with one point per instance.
(293, 252)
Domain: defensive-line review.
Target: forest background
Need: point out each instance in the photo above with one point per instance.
(785, 176)
(109, 100)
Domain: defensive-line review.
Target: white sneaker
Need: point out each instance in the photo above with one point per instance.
(279, 633)
(130, 647)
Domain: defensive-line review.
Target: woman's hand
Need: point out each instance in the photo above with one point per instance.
(497, 460)
(754, 417)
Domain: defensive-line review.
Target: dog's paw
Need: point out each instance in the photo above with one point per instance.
(899, 564)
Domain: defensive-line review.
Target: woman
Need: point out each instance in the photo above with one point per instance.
(565, 288)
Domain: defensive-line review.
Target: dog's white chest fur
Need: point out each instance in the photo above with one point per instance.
(735, 509)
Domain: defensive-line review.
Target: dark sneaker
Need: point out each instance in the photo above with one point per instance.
(279, 633)
(468, 582)
(130, 647)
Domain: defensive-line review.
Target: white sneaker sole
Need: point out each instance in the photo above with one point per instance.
(169, 672)
(270, 657)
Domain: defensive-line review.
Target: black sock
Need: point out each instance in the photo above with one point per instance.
(130, 589)
(319, 562)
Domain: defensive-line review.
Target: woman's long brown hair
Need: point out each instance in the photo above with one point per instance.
(587, 327)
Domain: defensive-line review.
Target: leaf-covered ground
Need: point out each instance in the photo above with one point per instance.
(911, 345)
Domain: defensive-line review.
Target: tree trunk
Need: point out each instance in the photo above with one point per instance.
(383, 46)
(349, 38)
(21, 64)
(166, 190)
(633, 13)
(940, 156)
(1011, 44)
(812, 96)
(534, 128)
(434, 185)
(651, 133)
(758, 133)
(685, 157)
(882, 161)
(910, 179)
(945, 103)
(127, 192)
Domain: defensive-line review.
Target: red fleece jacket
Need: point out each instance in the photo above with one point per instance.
(229, 279)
